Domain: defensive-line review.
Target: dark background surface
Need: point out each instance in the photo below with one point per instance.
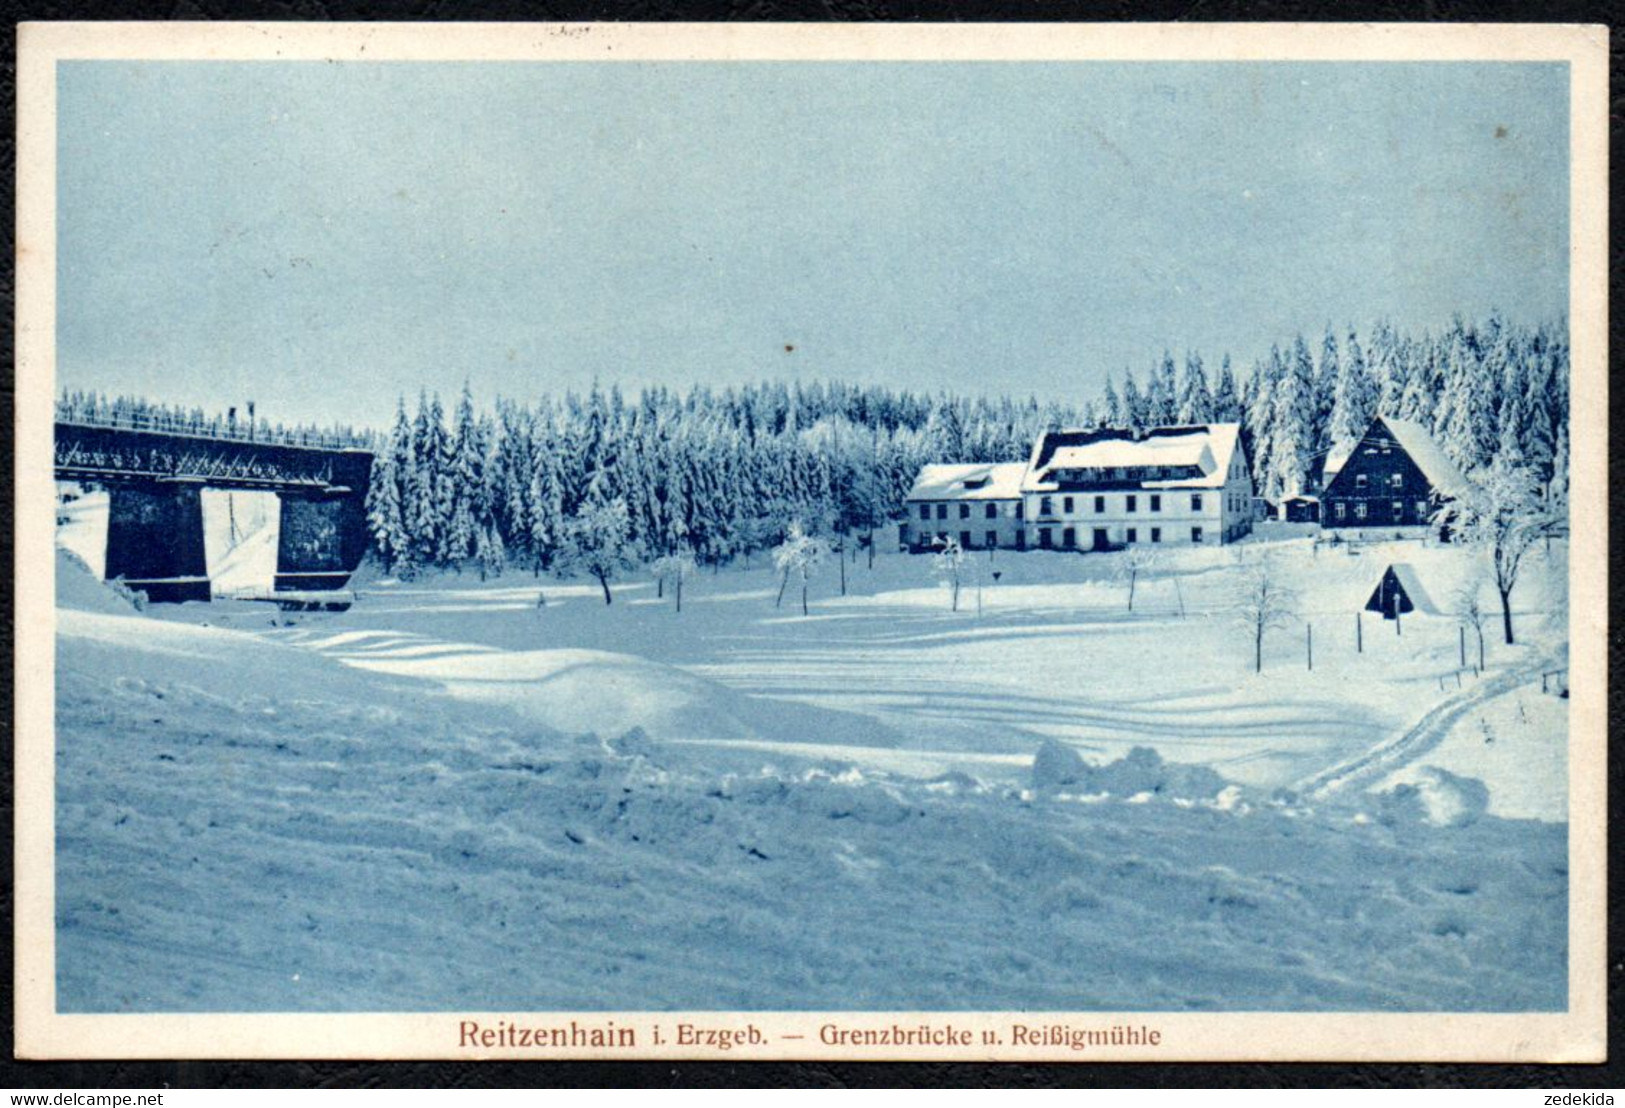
(61, 1076)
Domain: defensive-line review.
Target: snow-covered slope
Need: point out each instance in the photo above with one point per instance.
(244, 824)
(81, 525)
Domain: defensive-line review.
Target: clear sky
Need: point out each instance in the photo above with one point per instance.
(320, 237)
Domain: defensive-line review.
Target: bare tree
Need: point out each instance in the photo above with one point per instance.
(1504, 515)
(1137, 562)
(799, 556)
(675, 568)
(1262, 603)
(1468, 602)
(953, 568)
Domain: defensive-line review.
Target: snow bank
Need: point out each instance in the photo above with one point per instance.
(1438, 798)
(1059, 768)
(78, 589)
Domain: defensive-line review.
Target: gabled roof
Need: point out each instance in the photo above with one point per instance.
(1412, 584)
(1415, 441)
(1208, 447)
(1346, 585)
(977, 481)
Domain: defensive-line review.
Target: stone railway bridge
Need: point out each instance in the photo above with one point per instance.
(155, 477)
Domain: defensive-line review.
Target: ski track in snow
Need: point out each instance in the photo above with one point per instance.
(1423, 736)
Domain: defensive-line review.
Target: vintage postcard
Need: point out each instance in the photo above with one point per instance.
(768, 542)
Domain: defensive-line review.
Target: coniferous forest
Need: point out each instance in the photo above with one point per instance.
(607, 480)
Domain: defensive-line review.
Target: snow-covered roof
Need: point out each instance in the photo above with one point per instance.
(1416, 441)
(1207, 447)
(1428, 455)
(1412, 584)
(1345, 584)
(979, 481)
(1183, 450)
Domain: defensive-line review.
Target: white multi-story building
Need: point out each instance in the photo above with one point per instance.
(977, 505)
(1107, 488)
(1100, 489)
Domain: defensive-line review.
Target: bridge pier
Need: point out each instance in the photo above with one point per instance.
(155, 539)
(320, 541)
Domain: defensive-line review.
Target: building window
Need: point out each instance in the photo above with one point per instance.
(1359, 509)
(1066, 505)
(992, 511)
(1046, 506)
(1131, 502)
(1156, 503)
(1021, 509)
(964, 540)
(1069, 538)
(1021, 540)
(964, 511)
(1359, 480)
(1396, 480)
(942, 511)
(925, 511)
(1156, 534)
(1422, 509)
(1399, 510)
(1132, 535)
(992, 539)
(1100, 504)
(1044, 537)
(1196, 534)
(1196, 501)
(1342, 509)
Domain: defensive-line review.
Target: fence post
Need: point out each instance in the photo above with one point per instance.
(1359, 634)
(1309, 643)
(1461, 638)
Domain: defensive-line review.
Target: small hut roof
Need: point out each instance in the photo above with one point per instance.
(1409, 580)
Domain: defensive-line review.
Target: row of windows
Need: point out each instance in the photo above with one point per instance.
(1098, 474)
(1046, 505)
(1395, 480)
(1069, 536)
(990, 510)
(1340, 509)
(1046, 537)
(966, 543)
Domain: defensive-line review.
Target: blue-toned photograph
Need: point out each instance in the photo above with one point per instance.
(812, 536)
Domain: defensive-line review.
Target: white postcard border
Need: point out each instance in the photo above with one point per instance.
(1577, 1035)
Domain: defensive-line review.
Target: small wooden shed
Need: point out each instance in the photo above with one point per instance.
(1301, 509)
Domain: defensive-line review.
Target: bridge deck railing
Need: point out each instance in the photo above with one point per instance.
(261, 435)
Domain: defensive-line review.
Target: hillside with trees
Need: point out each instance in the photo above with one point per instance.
(602, 481)
(722, 474)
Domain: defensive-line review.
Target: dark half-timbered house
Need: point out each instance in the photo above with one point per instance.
(1396, 476)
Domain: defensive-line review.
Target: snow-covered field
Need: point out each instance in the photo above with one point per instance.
(400, 806)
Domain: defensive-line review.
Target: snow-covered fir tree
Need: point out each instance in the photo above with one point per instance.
(1195, 397)
(1354, 398)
